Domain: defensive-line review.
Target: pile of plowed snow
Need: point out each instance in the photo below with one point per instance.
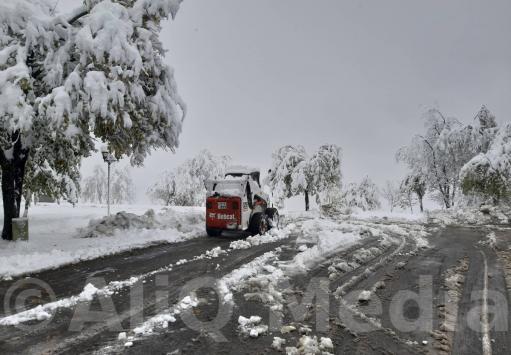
(58, 236)
(183, 222)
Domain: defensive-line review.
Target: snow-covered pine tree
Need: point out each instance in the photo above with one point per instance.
(486, 129)
(66, 78)
(488, 175)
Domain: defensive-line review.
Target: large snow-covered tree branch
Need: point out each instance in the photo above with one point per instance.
(66, 80)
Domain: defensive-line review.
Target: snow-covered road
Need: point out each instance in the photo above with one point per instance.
(318, 285)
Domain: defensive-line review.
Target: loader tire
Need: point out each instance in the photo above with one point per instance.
(273, 217)
(258, 224)
(213, 232)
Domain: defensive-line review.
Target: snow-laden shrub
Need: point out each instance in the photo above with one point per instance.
(364, 195)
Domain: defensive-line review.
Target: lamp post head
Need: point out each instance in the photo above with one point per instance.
(104, 152)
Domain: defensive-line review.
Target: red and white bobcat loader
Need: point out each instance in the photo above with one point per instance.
(237, 203)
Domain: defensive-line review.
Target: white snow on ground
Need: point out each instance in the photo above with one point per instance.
(472, 216)
(45, 311)
(251, 326)
(329, 243)
(309, 345)
(162, 320)
(277, 343)
(271, 236)
(234, 279)
(329, 237)
(490, 240)
(394, 216)
(55, 229)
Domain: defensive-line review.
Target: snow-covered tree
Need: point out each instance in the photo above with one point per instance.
(413, 184)
(280, 177)
(439, 154)
(406, 197)
(185, 186)
(164, 190)
(363, 195)
(428, 154)
(50, 174)
(486, 129)
(391, 193)
(324, 171)
(122, 189)
(294, 173)
(94, 187)
(193, 172)
(97, 72)
(488, 175)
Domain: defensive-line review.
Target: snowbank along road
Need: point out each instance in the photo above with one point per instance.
(318, 285)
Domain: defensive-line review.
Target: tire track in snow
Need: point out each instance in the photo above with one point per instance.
(350, 307)
(485, 327)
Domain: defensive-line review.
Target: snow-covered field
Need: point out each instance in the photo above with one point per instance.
(55, 234)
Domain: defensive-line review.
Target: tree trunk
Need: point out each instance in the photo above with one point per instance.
(13, 173)
(306, 200)
(28, 200)
(453, 195)
(8, 200)
(12, 188)
(420, 202)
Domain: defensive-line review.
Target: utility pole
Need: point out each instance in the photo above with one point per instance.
(109, 159)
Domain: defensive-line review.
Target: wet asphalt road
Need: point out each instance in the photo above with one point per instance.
(402, 268)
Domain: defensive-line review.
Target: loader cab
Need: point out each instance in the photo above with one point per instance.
(254, 175)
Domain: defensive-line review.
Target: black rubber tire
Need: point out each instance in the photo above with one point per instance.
(273, 215)
(213, 232)
(258, 224)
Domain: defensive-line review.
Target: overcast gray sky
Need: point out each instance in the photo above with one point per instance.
(260, 74)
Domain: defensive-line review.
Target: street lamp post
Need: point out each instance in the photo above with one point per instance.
(109, 159)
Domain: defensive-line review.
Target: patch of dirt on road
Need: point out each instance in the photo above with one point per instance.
(505, 260)
(454, 279)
